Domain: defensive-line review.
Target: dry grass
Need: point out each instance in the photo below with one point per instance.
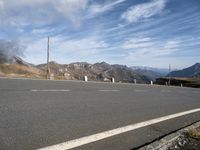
(193, 133)
(16, 70)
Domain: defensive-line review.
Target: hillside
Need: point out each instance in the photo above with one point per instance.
(193, 71)
(16, 67)
(96, 72)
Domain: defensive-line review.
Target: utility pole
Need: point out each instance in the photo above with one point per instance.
(169, 74)
(48, 69)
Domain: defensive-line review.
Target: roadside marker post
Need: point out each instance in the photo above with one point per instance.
(113, 80)
(85, 78)
(135, 81)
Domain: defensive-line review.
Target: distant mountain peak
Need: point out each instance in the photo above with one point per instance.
(197, 64)
(162, 71)
(192, 71)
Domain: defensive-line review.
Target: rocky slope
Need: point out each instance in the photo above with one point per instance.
(193, 71)
(97, 72)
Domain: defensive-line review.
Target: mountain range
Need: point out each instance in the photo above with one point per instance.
(17, 67)
(161, 71)
(96, 72)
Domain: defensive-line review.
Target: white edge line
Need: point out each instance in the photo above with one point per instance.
(99, 136)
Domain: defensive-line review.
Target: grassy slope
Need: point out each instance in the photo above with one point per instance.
(20, 71)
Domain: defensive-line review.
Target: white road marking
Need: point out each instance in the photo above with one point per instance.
(165, 91)
(109, 90)
(139, 90)
(99, 136)
(196, 92)
(50, 90)
(181, 91)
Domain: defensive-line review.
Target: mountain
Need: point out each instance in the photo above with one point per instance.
(152, 73)
(17, 67)
(161, 71)
(96, 72)
(193, 71)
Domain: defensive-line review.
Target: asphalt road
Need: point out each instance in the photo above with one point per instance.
(38, 113)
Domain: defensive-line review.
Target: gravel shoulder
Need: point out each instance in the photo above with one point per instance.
(184, 139)
(190, 140)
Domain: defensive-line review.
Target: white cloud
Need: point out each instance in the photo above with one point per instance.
(41, 12)
(72, 9)
(22, 13)
(84, 46)
(1, 4)
(143, 11)
(36, 50)
(119, 26)
(95, 9)
(137, 43)
(44, 32)
(59, 46)
(150, 49)
(41, 31)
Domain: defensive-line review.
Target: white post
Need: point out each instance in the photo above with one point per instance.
(181, 85)
(151, 82)
(113, 80)
(135, 81)
(52, 76)
(85, 78)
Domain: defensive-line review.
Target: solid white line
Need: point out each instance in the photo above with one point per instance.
(99, 136)
(50, 90)
(109, 90)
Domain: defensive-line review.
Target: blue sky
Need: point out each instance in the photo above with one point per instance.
(152, 33)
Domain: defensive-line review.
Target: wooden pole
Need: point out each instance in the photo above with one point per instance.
(169, 74)
(48, 70)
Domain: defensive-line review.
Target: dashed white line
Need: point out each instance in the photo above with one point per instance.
(196, 92)
(109, 90)
(139, 90)
(50, 90)
(99, 136)
(165, 91)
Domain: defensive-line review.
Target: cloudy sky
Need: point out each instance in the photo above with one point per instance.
(132, 32)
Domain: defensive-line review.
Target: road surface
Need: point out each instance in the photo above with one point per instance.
(37, 113)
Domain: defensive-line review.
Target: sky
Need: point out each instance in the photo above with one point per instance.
(152, 33)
